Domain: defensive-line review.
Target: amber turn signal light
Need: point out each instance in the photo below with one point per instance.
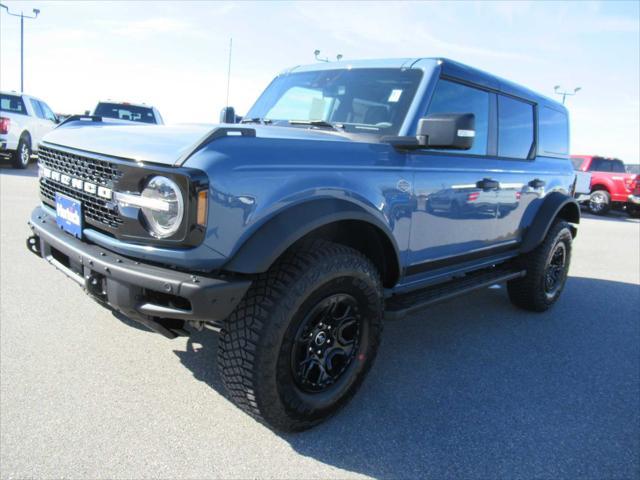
(201, 217)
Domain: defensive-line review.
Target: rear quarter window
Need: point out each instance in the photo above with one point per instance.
(553, 132)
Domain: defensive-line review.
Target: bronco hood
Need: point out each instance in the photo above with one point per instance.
(163, 144)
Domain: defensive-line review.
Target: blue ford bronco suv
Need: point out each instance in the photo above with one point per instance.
(350, 193)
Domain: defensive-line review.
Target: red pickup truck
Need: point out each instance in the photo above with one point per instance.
(611, 185)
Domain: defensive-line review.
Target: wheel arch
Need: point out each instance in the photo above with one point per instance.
(25, 134)
(600, 186)
(334, 220)
(555, 205)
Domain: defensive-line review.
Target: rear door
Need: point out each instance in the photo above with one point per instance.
(520, 180)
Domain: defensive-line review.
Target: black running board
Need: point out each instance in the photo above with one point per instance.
(399, 306)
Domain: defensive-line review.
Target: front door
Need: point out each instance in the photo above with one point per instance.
(456, 191)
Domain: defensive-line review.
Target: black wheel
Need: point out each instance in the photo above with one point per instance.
(599, 202)
(22, 155)
(547, 268)
(633, 211)
(302, 340)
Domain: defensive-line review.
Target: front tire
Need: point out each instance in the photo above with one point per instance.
(22, 156)
(547, 268)
(599, 202)
(302, 340)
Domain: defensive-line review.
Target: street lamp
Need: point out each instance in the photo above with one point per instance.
(22, 16)
(565, 93)
(316, 54)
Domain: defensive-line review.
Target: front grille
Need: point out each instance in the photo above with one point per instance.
(97, 211)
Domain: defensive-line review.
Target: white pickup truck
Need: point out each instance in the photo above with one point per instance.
(24, 120)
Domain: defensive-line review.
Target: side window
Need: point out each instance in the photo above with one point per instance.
(600, 165)
(451, 97)
(37, 108)
(48, 114)
(617, 166)
(553, 133)
(515, 128)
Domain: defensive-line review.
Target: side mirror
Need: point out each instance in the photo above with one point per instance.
(228, 115)
(454, 131)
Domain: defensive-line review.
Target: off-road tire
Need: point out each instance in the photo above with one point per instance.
(604, 206)
(254, 353)
(22, 155)
(529, 292)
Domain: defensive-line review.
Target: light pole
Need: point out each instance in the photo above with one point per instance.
(316, 54)
(22, 17)
(565, 93)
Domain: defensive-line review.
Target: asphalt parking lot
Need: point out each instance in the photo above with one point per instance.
(472, 388)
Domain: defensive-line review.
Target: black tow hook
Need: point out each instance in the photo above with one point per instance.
(33, 244)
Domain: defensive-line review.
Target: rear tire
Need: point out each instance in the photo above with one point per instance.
(305, 335)
(599, 202)
(547, 267)
(22, 155)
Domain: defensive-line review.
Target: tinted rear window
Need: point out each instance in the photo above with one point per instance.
(553, 132)
(125, 112)
(515, 127)
(12, 103)
(599, 164)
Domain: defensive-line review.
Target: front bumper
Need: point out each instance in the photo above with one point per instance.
(160, 298)
(635, 199)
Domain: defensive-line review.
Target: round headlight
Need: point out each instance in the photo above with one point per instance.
(166, 207)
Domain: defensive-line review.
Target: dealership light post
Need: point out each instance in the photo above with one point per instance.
(565, 93)
(22, 17)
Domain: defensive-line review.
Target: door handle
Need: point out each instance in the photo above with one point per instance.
(488, 184)
(537, 183)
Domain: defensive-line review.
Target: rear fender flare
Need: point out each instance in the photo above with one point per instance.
(555, 205)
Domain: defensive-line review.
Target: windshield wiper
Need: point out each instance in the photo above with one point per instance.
(264, 121)
(317, 123)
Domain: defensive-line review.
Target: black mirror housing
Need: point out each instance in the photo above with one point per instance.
(455, 131)
(228, 115)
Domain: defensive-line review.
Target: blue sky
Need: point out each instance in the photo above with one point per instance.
(174, 55)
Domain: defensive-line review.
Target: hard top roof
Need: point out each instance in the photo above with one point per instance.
(449, 67)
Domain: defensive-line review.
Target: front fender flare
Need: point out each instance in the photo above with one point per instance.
(555, 205)
(271, 240)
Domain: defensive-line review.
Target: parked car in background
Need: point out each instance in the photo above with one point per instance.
(24, 120)
(611, 185)
(129, 111)
(633, 168)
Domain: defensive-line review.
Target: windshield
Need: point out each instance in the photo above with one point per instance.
(125, 112)
(368, 100)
